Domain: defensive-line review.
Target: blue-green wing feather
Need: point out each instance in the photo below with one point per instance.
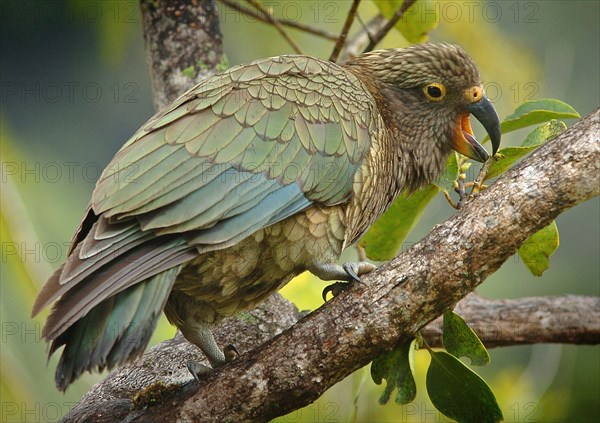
(238, 142)
(237, 153)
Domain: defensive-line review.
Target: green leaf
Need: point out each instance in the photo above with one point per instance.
(385, 237)
(537, 111)
(509, 155)
(445, 182)
(397, 368)
(537, 249)
(190, 72)
(461, 341)
(414, 25)
(458, 392)
(543, 133)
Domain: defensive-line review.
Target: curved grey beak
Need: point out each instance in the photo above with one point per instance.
(485, 113)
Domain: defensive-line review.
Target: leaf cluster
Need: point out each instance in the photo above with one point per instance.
(454, 389)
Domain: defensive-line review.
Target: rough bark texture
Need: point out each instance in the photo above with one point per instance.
(183, 45)
(276, 375)
(294, 368)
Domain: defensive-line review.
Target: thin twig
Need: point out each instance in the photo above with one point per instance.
(286, 22)
(341, 41)
(276, 23)
(365, 26)
(389, 25)
(450, 201)
(357, 43)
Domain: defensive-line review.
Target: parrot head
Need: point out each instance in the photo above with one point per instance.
(429, 92)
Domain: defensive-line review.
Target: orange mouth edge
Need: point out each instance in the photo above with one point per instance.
(464, 141)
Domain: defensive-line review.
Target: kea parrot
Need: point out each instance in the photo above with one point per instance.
(248, 179)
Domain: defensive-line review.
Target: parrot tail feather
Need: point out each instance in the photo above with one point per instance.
(114, 331)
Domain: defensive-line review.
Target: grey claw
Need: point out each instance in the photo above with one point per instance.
(197, 369)
(350, 270)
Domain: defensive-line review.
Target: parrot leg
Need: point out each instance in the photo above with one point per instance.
(348, 272)
(201, 336)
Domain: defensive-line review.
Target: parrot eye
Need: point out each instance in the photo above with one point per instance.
(434, 91)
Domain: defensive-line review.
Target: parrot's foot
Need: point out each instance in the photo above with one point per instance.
(201, 336)
(198, 369)
(349, 272)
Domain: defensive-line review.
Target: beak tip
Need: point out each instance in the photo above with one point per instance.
(495, 142)
(484, 112)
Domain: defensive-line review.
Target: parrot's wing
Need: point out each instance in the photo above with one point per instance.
(239, 152)
(242, 151)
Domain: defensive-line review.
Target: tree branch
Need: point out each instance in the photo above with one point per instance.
(298, 365)
(568, 319)
(375, 39)
(372, 33)
(357, 43)
(572, 319)
(183, 45)
(344, 34)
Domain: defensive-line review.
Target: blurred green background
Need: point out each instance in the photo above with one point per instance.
(75, 86)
